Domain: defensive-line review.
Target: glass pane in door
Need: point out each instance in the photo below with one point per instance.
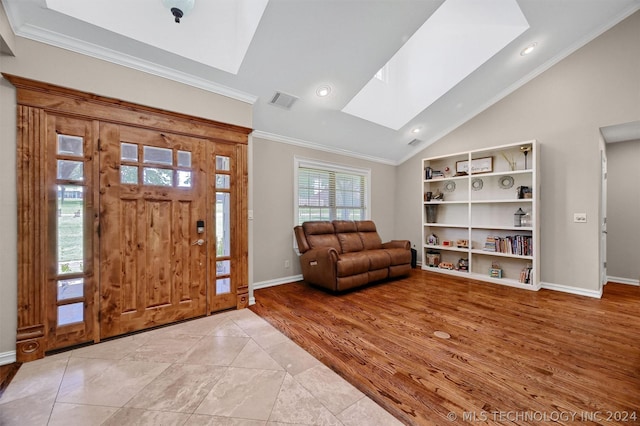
(223, 163)
(128, 152)
(70, 229)
(70, 145)
(70, 289)
(69, 314)
(129, 174)
(223, 267)
(223, 285)
(223, 224)
(70, 170)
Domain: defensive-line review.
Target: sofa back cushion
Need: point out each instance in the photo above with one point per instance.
(368, 234)
(321, 234)
(348, 236)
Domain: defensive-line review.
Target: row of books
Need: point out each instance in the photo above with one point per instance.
(429, 173)
(526, 274)
(521, 245)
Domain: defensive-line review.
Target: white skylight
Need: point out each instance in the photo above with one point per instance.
(457, 39)
(215, 33)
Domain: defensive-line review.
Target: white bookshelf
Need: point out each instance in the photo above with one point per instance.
(480, 205)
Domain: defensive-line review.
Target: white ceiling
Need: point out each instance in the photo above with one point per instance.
(300, 45)
(624, 132)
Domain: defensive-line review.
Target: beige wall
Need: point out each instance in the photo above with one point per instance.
(41, 62)
(273, 204)
(623, 211)
(563, 108)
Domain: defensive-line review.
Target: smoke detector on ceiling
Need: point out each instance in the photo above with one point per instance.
(283, 100)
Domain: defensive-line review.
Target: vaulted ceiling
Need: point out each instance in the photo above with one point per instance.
(390, 66)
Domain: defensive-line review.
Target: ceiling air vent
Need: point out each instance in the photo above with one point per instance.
(414, 142)
(283, 100)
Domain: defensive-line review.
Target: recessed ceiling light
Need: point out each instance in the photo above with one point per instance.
(416, 130)
(528, 49)
(323, 91)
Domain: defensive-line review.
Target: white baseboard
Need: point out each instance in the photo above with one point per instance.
(271, 283)
(597, 294)
(277, 281)
(7, 357)
(619, 280)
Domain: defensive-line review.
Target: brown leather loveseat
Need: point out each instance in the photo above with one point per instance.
(344, 254)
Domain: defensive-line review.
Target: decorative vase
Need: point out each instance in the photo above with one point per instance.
(432, 213)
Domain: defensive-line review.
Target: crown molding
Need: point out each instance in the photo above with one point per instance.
(89, 49)
(312, 145)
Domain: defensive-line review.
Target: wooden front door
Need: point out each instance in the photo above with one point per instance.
(110, 198)
(153, 261)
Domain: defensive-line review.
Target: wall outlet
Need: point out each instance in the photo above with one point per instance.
(287, 264)
(580, 217)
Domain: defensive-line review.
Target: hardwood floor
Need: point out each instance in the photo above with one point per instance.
(514, 356)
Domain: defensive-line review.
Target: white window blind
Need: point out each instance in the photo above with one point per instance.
(329, 191)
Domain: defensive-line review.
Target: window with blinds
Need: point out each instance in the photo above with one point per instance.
(329, 191)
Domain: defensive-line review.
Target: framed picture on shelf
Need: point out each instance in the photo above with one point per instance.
(478, 165)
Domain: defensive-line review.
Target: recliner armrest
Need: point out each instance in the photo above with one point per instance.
(319, 266)
(403, 244)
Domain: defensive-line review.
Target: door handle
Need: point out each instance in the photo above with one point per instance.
(198, 242)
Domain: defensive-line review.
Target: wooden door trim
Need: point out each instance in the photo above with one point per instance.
(34, 101)
(87, 105)
(32, 221)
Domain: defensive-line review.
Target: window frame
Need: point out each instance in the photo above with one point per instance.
(302, 162)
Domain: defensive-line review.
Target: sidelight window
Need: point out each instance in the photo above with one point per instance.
(70, 228)
(223, 224)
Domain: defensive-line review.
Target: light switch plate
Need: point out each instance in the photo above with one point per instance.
(580, 217)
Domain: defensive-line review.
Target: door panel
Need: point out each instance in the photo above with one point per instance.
(153, 192)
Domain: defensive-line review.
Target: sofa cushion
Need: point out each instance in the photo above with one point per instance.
(352, 264)
(365, 226)
(368, 234)
(399, 256)
(378, 274)
(370, 240)
(352, 281)
(378, 259)
(348, 235)
(399, 270)
(350, 242)
(321, 234)
(344, 226)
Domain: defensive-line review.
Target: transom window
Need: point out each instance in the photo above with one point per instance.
(327, 191)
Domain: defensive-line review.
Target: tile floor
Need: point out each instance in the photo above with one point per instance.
(230, 369)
